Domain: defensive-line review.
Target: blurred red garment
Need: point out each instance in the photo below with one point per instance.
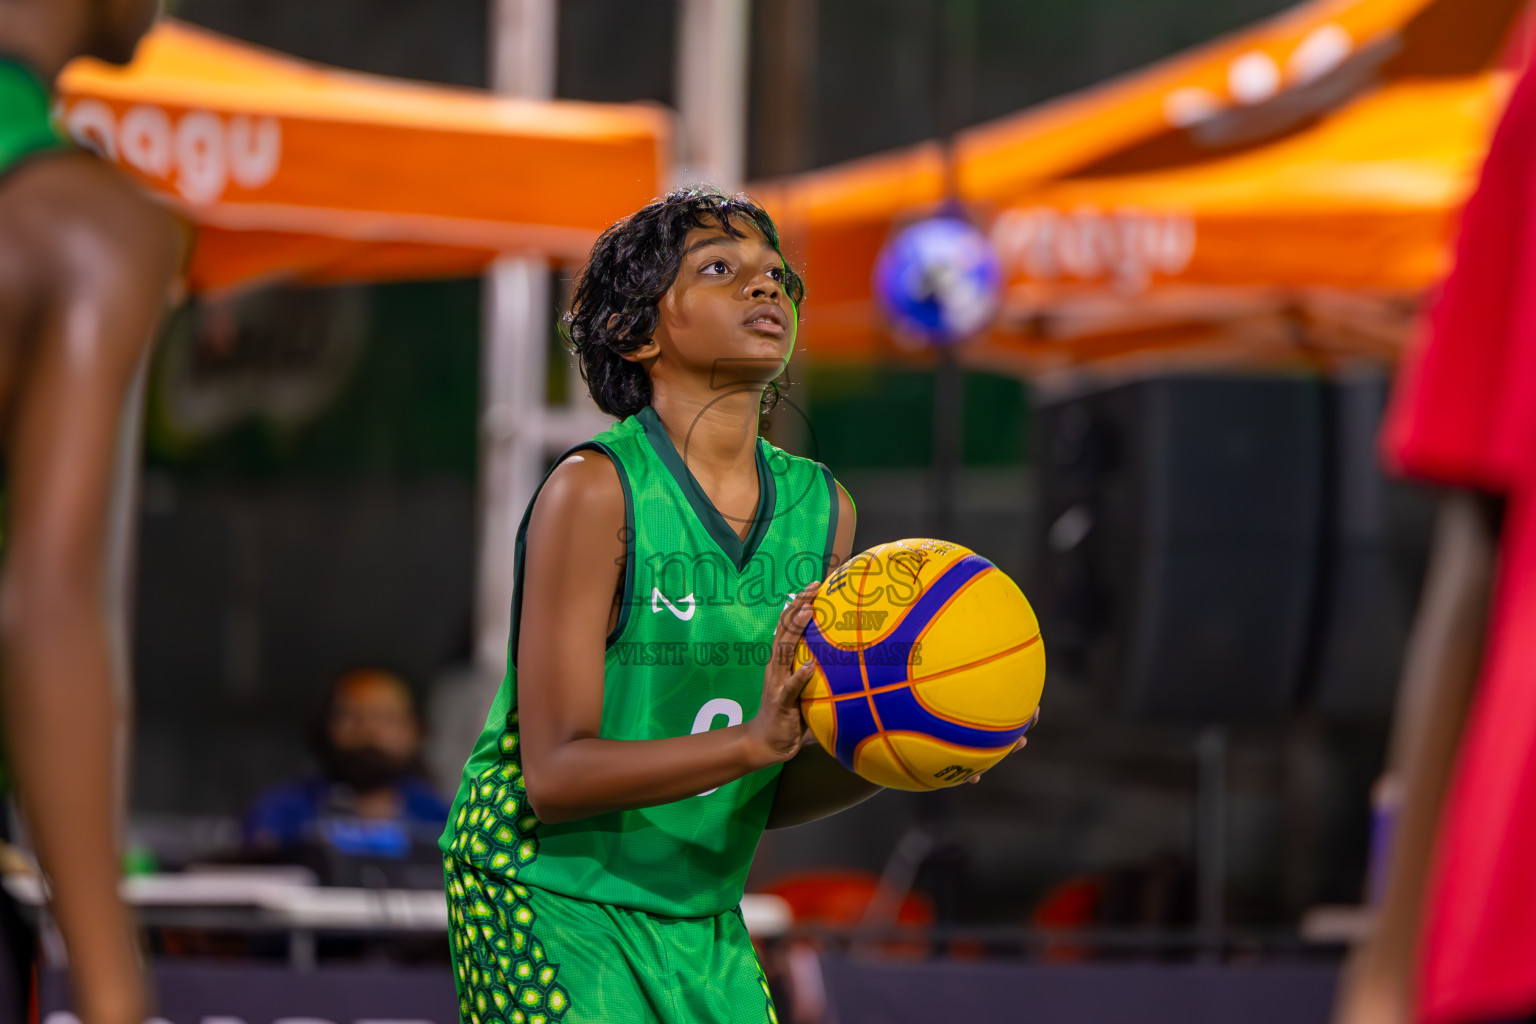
(1464, 414)
(840, 897)
(1071, 905)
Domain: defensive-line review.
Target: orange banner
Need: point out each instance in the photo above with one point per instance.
(299, 172)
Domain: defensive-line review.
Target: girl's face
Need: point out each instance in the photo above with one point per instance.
(726, 318)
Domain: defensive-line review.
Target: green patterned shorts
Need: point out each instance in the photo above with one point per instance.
(526, 956)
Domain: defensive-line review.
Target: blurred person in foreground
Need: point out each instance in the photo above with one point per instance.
(372, 791)
(87, 266)
(1455, 935)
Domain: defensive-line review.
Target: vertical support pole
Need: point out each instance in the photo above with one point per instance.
(956, 67)
(784, 38)
(513, 397)
(948, 440)
(514, 354)
(301, 950)
(1211, 834)
(711, 92)
(954, 34)
(524, 38)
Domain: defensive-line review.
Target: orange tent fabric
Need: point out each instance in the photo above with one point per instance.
(293, 171)
(1329, 147)
(1360, 200)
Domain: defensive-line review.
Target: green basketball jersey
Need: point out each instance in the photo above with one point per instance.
(688, 654)
(25, 126)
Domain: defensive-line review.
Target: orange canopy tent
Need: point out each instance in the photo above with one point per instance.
(1327, 149)
(1357, 201)
(1362, 202)
(297, 172)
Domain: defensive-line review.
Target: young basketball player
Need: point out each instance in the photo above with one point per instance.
(86, 266)
(643, 738)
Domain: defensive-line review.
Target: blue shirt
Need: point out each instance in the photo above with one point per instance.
(308, 810)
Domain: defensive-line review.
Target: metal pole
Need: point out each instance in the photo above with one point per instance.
(784, 59)
(524, 39)
(784, 41)
(514, 357)
(948, 440)
(711, 92)
(514, 372)
(1211, 833)
(954, 28)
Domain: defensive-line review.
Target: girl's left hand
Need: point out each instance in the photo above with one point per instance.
(1023, 739)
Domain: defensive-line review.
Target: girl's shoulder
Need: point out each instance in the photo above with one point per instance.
(583, 488)
(780, 458)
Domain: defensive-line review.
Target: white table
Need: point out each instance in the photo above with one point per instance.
(289, 900)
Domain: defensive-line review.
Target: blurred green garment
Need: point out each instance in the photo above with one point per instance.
(26, 129)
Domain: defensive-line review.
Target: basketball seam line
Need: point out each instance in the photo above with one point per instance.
(833, 698)
(858, 629)
(910, 688)
(933, 618)
(908, 609)
(875, 714)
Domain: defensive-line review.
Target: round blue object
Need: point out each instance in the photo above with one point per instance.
(939, 281)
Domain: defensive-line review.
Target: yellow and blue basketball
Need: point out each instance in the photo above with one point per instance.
(929, 664)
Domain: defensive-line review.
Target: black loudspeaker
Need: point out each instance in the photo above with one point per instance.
(1375, 549)
(1177, 560)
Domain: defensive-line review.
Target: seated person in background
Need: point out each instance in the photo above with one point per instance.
(373, 796)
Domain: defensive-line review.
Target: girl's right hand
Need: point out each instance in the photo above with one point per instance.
(777, 729)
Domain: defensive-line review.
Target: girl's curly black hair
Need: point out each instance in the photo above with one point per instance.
(633, 263)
